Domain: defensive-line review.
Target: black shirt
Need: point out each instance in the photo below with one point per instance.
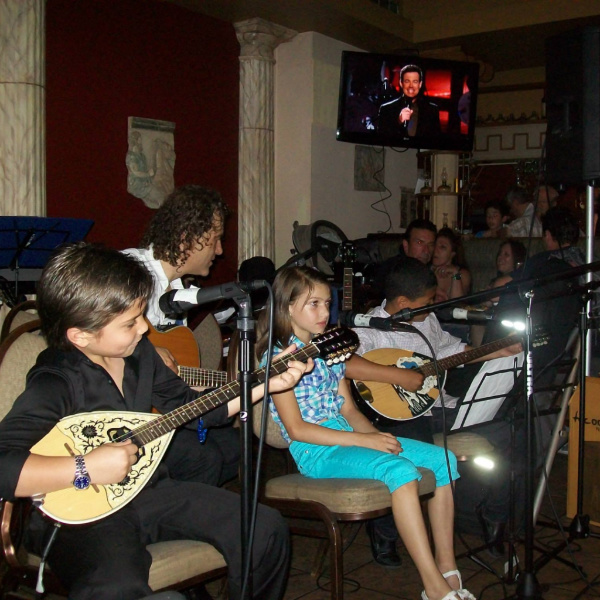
(68, 383)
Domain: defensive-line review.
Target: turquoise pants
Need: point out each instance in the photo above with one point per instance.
(353, 462)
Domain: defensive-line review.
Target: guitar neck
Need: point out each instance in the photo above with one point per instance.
(207, 402)
(196, 377)
(347, 289)
(465, 357)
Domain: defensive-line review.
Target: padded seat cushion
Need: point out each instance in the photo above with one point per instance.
(465, 444)
(343, 496)
(178, 560)
(172, 562)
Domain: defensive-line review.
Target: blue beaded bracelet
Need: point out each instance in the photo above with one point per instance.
(201, 431)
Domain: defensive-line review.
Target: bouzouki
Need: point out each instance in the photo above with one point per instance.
(183, 346)
(81, 433)
(388, 403)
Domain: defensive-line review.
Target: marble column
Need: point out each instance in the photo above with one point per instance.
(22, 108)
(256, 213)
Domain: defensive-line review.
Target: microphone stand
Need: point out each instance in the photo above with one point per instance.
(246, 329)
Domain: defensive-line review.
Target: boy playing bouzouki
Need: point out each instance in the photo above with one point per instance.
(91, 302)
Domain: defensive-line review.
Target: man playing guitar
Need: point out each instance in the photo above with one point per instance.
(184, 238)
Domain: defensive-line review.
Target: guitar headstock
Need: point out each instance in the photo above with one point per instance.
(336, 345)
(347, 252)
(540, 336)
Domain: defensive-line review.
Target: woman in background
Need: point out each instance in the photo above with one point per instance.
(448, 264)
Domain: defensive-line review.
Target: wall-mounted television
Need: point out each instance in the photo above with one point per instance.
(407, 101)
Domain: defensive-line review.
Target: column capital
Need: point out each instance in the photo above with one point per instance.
(259, 38)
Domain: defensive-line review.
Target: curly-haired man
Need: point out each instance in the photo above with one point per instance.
(183, 238)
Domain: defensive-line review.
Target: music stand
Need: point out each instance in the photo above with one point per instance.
(27, 242)
(488, 390)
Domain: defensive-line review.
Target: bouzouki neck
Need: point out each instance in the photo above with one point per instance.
(207, 402)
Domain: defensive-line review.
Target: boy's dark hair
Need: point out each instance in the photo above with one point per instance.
(183, 222)
(419, 224)
(499, 205)
(562, 225)
(87, 286)
(410, 278)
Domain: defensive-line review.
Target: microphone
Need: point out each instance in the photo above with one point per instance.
(177, 302)
(352, 319)
(464, 314)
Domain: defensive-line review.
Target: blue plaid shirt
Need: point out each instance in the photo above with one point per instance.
(316, 393)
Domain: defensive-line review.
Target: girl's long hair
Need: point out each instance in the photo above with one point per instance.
(290, 283)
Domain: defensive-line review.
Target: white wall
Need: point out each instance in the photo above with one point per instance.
(314, 173)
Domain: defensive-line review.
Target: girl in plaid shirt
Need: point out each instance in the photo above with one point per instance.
(329, 437)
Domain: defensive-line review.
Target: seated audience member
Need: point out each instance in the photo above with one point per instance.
(448, 264)
(183, 238)
(523, 213)
(496, 216)
(91, 302)
(410, 284)
(510, 257)
(418, 242)
(546, 198)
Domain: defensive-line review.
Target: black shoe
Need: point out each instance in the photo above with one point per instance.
(493, 533)
(384, 551)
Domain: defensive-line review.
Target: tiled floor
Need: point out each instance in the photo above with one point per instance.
(365, 580)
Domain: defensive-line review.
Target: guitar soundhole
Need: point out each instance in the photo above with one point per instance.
(120, 434)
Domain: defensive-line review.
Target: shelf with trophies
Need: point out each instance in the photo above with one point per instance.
(440, 194)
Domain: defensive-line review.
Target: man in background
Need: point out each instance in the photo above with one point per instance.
(523, 212)
(418, 242)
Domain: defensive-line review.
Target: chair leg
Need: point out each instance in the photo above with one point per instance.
(336, 561)
(318, 562)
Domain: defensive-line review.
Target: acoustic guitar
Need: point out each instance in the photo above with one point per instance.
(388, 403)
(183, 346)
(81, 433)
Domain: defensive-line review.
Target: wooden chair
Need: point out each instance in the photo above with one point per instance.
(175, 564)
(21, 313)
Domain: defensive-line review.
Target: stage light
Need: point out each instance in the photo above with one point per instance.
(484, 462)
(516, 325)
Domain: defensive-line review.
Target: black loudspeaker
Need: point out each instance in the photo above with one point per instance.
(573, 107)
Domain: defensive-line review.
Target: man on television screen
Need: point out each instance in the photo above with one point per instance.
(412, 114)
